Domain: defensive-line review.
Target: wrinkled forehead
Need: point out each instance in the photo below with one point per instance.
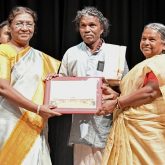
(158, 29)
(23, 17)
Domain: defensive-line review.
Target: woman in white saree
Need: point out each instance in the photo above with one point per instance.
(22, 135)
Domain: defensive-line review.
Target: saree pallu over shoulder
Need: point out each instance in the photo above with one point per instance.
(138, 133)
(20, 136)
(8, 57)
(50, 64)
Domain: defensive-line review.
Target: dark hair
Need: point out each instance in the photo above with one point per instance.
(4, 23)
(92, 11)
(19, 10)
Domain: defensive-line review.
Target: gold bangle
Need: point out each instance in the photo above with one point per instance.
(38, 109)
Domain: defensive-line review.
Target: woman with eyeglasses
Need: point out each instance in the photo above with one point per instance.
(22, 132)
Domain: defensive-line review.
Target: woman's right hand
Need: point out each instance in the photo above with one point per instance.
(108, 93)
(47, 111)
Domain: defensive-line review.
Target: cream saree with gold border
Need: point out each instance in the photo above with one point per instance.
(22, 138)
(138, 133)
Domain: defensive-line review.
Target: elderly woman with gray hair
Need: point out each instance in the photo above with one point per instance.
(138, 132)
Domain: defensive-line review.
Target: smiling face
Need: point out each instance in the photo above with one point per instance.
(22, 29)
(90, 29)
(151, 43)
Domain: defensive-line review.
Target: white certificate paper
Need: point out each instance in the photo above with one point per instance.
(75, 95)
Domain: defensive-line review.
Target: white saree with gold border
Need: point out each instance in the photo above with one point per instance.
(22, 138)
(138, 133)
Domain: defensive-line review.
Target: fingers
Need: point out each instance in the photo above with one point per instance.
(52, 107)
(55, 113)
(104, 87)
(102, 112)
(108, 97)
(48, 111)
(99, 113)
(104, 81)
(108, 90)
(49, 114)
(50, 76)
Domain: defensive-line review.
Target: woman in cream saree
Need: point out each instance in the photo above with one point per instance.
(138, 133)
(23, 133)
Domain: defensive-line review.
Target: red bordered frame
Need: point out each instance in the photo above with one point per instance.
(74, 95)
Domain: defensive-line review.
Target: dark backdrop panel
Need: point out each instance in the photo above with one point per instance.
(56, 33)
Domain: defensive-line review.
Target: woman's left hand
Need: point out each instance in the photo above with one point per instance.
(47, 111)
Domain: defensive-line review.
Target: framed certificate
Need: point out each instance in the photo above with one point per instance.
(74, 95)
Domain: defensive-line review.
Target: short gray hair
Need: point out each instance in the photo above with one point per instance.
(160, 28)
(92, 11)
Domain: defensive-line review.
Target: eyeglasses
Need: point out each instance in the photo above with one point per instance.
(28, 25)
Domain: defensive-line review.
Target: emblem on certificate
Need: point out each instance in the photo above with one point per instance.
(74, 95)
